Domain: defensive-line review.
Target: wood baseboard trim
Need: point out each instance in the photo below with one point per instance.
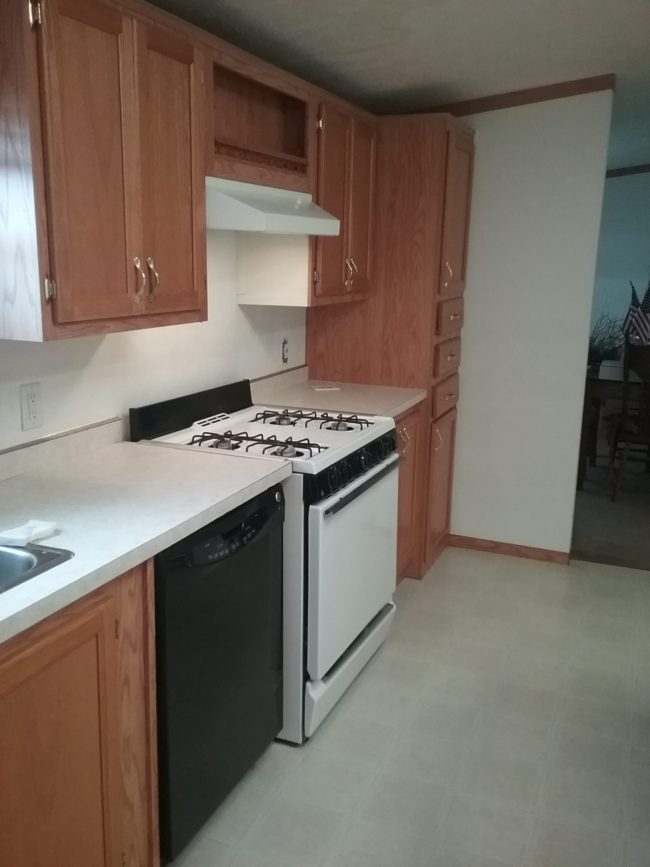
(532, 94)
(511, 550)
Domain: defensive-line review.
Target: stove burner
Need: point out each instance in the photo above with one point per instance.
(228, 441)
(287, 451)
(227, 445)
(341, 422)
(283, 419)
(280, 417)
(339, 425)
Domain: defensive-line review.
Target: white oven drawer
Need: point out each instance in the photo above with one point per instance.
(352, 550)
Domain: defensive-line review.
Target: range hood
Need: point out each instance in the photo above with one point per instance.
(244, 207)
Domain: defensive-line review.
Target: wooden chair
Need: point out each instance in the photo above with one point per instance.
(631, 433)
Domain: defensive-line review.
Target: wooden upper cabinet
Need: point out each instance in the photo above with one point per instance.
(364, 144)
(333, 194)
(172, 177)
(458, 187)
(87, 99)
(345, 188)
(107, 107)
(441, 462)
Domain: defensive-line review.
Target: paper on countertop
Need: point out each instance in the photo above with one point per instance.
(26, 533)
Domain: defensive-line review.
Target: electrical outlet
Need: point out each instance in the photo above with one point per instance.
(31, 408)
(285, 350)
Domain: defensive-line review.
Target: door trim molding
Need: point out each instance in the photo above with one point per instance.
(628, 170)
(514, 98)
(508, 548)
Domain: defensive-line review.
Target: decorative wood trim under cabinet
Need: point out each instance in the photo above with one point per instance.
(525, 551)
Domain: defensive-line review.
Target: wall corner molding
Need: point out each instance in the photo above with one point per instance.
(515, 98)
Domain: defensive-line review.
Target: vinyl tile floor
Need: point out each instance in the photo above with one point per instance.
(505, 723)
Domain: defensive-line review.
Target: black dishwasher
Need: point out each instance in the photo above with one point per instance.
(219, 661)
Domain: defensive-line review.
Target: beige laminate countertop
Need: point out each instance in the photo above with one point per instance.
(346, 397)
(116, 507)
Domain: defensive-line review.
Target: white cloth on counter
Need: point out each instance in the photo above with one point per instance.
(26, 533)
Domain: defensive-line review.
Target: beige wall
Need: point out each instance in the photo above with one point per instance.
(91, 378)
(537, 195)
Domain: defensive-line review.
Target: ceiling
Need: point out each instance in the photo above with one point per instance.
(403, 55)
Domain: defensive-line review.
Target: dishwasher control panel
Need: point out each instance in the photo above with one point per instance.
(221, 545)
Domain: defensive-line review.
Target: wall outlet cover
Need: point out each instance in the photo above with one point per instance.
(31, 406)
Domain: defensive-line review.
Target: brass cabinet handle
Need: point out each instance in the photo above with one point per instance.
(143, 279)
(400, 434)
(451, 274)
(440, 437)
(354, 265)
(454, 316)
(452, 356)
(155, 276)
(350, 279)
(449, 395)
(408, 440)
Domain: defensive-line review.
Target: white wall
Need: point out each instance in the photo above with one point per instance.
(624, 248)
(537, 193)
(91, 378)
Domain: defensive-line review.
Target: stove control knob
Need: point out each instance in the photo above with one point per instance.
(334, 478)
(364, 459)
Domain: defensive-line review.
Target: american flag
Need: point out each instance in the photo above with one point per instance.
(637, 318)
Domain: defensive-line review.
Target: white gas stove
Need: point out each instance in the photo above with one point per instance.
(312, 439)
(340, 531)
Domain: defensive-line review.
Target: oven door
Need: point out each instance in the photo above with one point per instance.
(352, 551)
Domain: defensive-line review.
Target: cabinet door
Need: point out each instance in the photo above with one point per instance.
(458, 185)
(361, 204)
(333, 187)
(443, 432)
(88, 89)
(173, 210)
(59, 772)
(408, 436)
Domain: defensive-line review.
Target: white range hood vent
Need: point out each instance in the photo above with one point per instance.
(244, 207)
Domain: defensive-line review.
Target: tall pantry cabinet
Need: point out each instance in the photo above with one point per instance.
(407, 332)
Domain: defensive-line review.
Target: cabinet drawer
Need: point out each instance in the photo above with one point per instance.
(450, 317)
(445, 396)
(446, 358)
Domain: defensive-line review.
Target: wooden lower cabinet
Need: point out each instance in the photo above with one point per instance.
(441, 463)
(409, 444)
(77, 734)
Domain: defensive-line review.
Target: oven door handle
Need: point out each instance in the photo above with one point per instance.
(388, 467)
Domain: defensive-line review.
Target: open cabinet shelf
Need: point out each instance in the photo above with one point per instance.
(255, 123)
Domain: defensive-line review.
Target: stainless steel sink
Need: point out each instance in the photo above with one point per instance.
(18, 564)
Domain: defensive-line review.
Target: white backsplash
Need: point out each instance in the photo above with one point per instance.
(91, 378)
